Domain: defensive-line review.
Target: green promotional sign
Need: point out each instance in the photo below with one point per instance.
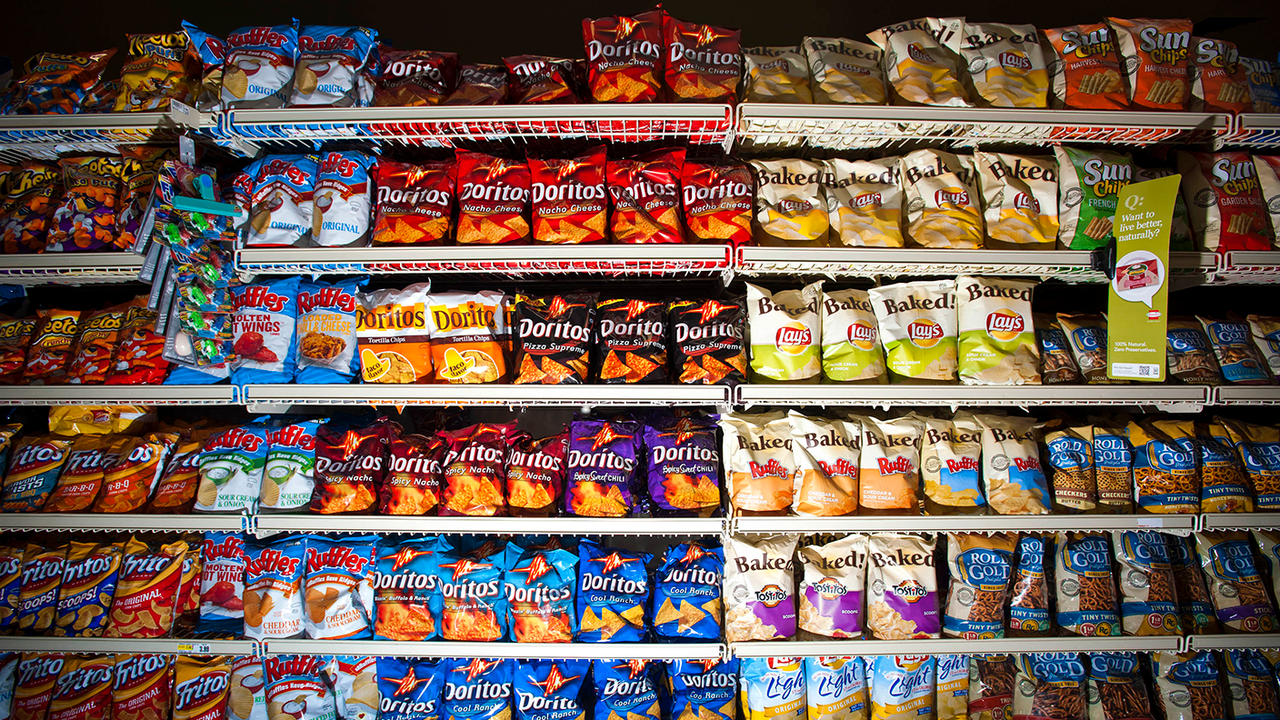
(1138, 307)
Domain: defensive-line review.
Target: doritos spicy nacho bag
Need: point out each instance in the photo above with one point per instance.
(339, 589)
(536, 474)
(1020, 200)
(775, 74)
(917, 324)
(785, 333)
(942, 200)
(493, 199)
(351, 463)
(759, 464)
(702, 61)
(922, 60)
(1006, 65)
(686, 593)
(475, 608)
(342, 200)
(613, 589)
(645, 193)
(851, 349)
(273, 606)
(539, 586)
(394, 336)
(553, 345)
(844, 71)
(624, 57)
(415, 78)
(473, 470)
(85, 219)
(602, 463)
(414, 476)
(535, 79)
(683, 465)
(717, 201)
(1089, 184)
(790, 207)
(570, 202)
(467, 334)
(415, 203)
(1224, 201)
(1156, 61)
(89, 580)
(864, 201)
(1085, 68)
(330, 61)
(480, 84)
(1220, 83)
(759, 588)
(631, 341)
(997, 343)
(259, 66)
(707, 341)
(35, 464)
(146, 597)
(407, 599)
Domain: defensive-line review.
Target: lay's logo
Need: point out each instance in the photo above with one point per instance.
(1005, 325)
(1010, 60)
(861, 335)
(868, 200)
(919, 54)
(793, 338)
(955, 197)
(924, 333)
(1023, 201)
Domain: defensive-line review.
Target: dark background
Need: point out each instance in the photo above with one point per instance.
(486, 31)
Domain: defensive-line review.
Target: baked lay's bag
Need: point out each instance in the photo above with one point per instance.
(772, 687)
(273, 606)
(613, 590)
(1089, 184)
(35, 464)
(625, 689)
(1157, 60)
(790, 208)
(467, 332)
(864, 201)
(1086, 69)
(407, 599)
(702, 62)
(343, 199)
(222, 582)
(298, 683)
(414, 203)
(759, 463)
(917, 323)
(83, 689)
(645, 194)
(921, 60)
(1006, 64)
(394, 336)
(831, 589)
(147, 596)
(997, 343)
(142, 687)
(414, 78)
(624, 57)
(339, 588)
(570, 200)
(775, 74)
(475, 608)
(603, 458)
(539, 587)
(259, 66)
(1020, 200)
(1225, 201)
(717, 200)
(493, 199)
(703, 689)
(549, 689)
(89, 579)
(686, 592)
(844, 71)
(759, 587)
(942, 199)
(826, 456)
(1219, 82)
(330, 62)
(785, 330)
(631, 338)
(950, 466)
(851, 350)
(409, 690)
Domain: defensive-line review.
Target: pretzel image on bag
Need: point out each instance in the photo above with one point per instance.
(1156, 56)
(1221, 81)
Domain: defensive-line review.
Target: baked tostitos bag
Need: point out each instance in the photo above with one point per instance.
(1020, 197)
(942, 199)
(790, 209)
(1086, 70)
(921, 58)
(1156, 60)
(1006, 65)
(785, 333)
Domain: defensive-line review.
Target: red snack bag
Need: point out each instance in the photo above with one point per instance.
(536, 79)
(535, 474)
(703, 62)
(493, 199)
(37, 676)
(1221, 83)
(50, 351)
(413, 479)
(415, 203)
(1224, 201)
(142, 687)
(15, 338)
(83, 690)
(138, 359)
(645, 191)
(28, 205)
(569, 198)
(474, 470)
(96, 341)
(84, 472)
(480, 85)
(57, 83)
(415, 78)
(717, 202)
(350, 467)
(1087, 71)
(130, 480)
(1156, 61)
(624, 57)
(147, 592)
(85, 219)
(176, 490)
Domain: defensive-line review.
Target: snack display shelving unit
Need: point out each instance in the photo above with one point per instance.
(747, 126)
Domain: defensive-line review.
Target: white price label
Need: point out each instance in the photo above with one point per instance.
(196, 648)
(1136, 370)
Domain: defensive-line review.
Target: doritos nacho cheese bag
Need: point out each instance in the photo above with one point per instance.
(570, 201)
(942, 199)
(790, 208)
(1089, 184)
(786, 333)
(535, 79)
(415, 78)
(414, 203)
(717, 202)
(921, 58)
(1156, 60)
(702, 62)
(493, 199)
(1086, 69)
(844, 71)
(775, 74)
(480, 84)
(624, 57)
(645, 192)
(1006, 65)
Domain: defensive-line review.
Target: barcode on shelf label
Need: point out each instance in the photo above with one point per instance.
(1135, 370)
(1149, 522)
(195, 648)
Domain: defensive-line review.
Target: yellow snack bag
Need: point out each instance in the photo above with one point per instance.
(942, 199)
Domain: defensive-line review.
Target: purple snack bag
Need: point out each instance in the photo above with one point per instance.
(759, 585)
(683, 465)
(902, 584)
(601, 468)
(832, 588)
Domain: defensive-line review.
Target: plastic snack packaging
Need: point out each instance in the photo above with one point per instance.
(790, 207)
(889, 466)
(570, 198)
(1086, 591)
(717, 200)
(415, 78)
(339, 588)
(917, 323)
(343, 199)
(554, 338)
(603, 460)
(758, 588)
(1006, 65)
(480, 84)
(903, 687)
(1011, 471)
(851, 350)
(162, 67)
(259, 66)
(826, 454)
(407, 599)
(1157, 61)
(997, 343)
(902, 602)
(703, 62)
(1086, 71)
(942, 200)
(1225, 201)
(645, 193)
(330, 61)
(980, 569)
(467, 333)
(1089, 184)
(1020, 200)
(414, 203)
(624, 57)
(832, 588)
(785, 333)
(631, 341)
(950, 465)
(844, 71)
(393, 334)
(535, 79)
(686, 600)
(1220, 83)
(1148, 603)
(613, 592)
(147, 592)
(682, 468)
(775, 74)
(493, 199)
(864, 201)
(85, 218)
(922, 61)
(539, 585)
(759, 463)
(282, 204)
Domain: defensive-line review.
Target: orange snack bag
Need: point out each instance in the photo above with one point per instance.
(84, 473)
(147, 592)
(136, 473)
(1087, 74)
(1155, 54)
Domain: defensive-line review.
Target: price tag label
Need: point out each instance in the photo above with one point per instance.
(183, 114)
(195, 648)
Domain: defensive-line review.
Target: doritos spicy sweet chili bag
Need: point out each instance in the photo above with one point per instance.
(602, 463)
(613, 589)
(475, 607)
(686, 592)
(683, 464)
(539, 586)
(624, 57)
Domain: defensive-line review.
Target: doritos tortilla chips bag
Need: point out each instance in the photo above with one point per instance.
(613, 589)
(414, 476)
(554, 338)
(1089, 184)
(536, 79)
(473, 470)
(539, 586)
(570, 202)
(786, 334)
(477, 689)
(624, 57)
(1086, 69)
(535, 474)
(683, 465)
(844, 71)
(468, 330)
(493, 199)
(1156, 60)
(645, 192)
(922, 60)
(790, 207)
(480, 85)
(409, 690)
(415, 78)
(475, 608)
(162, 67)
(407, 599)
(351, 464)
(717, 201)
(89, 579)
(942, 200)
(602, 462)
(707, 341)
(393, 335)
(1006, 64)
(776, 74)
(686, 592)
(625, 689)
(703, 62)
(631, 341)
(415, 203)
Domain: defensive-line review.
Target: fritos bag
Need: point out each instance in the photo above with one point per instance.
(851, 348)
(790, 208)
(1089, 184)
(831, 590)
(467, 334)
(631, 341)
(775, 74)
(758, 588)
(393, 333)
(921, 60)
(89, 580)
(273, 605)
(1148, 599)
(134, 475)
(864, 201)
(980, 569)
(950, 466)
(35, 464)
(146, 598)
(903, 600)
(1225, 202)
(785, 333)
(415, 78)
(143, 687)
(493, 199)
(942, 199)
(1086, 590)
(1156, 61)
(1220, 83)
(717, 200)
(702, 62)
(645, 193)
(997, 344)
(83, 473)
(624, 57)
(570, 202)
(480, 85)
(414, 203)
(706, 341)
(351, 464)
(37, 676)
(826, 456)
(474, 470)
(917, 323)
(175, 491)
(1020, 197)
(37, 599)
(844, 71)
(1011, 471)
(1086, 70)
(83, 689)
(889, 466)
(554, 338)
(259, 66)
(1006, 65)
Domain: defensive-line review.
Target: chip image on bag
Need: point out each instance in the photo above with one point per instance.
(467, 335)
(997, 343)
(631, 341)
(864, 201)
(1089, 184)
(703, 62)
(1219, 81)
(902, 598)
(273, 605)
(339, 588)
(759, 464)
(775, 74)
(342, 200)
(393, 334)
(282, 206)
(851, 350)
(785, 333)
(570, 198)
(950, 466)
(613, 591)
(326, 331)
(1086, 69)
(826, 455)
(917, 323)
(1006, 64)
(844, 71)
(921, 60)
(717, 201)
(942, 201)
(1157, 60)
(407, 598)
(790, 208)
(1020, 200)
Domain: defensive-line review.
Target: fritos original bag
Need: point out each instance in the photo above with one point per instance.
(1089, 184)
(394, 336)
(785, 333)
(1006, 64)
(1086, 70)
(844, 71)
(1020, 200)
(942, 199)
(790, 209)
(1225, 201)
(864, 201)
(917, 324)
(997, 344)
(1156, 61)
(146, 598)
(922, 60)
(775, 74)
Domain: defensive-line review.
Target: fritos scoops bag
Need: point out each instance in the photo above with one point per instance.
(717, 200)
(921, 58)
(980, 568)
(1011, 471)
(645, 193)
(624, 57)
(702, 63)
(997, 344)
(570, 200)
(89, 578)
(539, 586)
(903, 600)
(329, 65)
(467, 331)
(790, 209)
(785, 330)
(394, 336)
(772, 687)
(889, 466)
(143, 687)
(1156, 60)
(1086, 70)
(851, 350)
(826, 457)
(1089, 184)
(146, 598)
(343, 199)
(864, 201)
(1220, 83)
(493, 199)
(844, 71)
(339, 595)
(917, 323)
(758, 585)
(1006, 64)
(259, 66)
(613, 590)
(1225, 202)
(775, 74)
(758, 463)
(942, 199)
(686, 592)
(273, 606)
(231, 467)
(1020, 200)
(831, 590)
(950, 465)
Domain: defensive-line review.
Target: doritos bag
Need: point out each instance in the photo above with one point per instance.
(625, 689)
(702, 61)
(707, 346)
(683, 465)
(259, 66)
(704, 689)
(89, 580)
(351, 464)
(554, 338)
(477, 689)
(549, 689)
(686, 592)
(407, 599)
(645, 193)
(539, 587)
(613, 589)
(410, 690)
(480, 84)
(536, 474)
(475, 608)
(467, 333)
(535, 79)
(717, 201)
(414, 476)
(339, 595)
(394, 336)
(415, 78)
(1086, 69)
(631, 339)
(414, 203)
(570, 202)
(146, 598)
(602, 462)
(493, 199)
(473, 470)
(624, 57)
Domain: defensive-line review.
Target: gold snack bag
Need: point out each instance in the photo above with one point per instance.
(1006, 65)
(922, 61)
(776, 74)
(844, 71)
(942, 200)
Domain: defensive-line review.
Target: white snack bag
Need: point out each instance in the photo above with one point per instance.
(1020, 200)
(785, 332)
(864, 201)
(850, 337)
(826, 457)
(758, 462)
(997, 343)
(844, 71)
(917, 323)
(942, 199)
(759, 583)
(921, 59)
(1006, 64)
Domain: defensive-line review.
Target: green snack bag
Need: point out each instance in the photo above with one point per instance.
(918, 328)
(784, 328)
(1089, 183)
(997, 340)
(850, 337)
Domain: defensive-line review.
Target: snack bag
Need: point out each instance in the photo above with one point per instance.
(772, 687)
(702, 62)
(1264, 89)
(533, 79)
(342, 198)
(161, 68)
(759, 464)
(554, 338)
(138, 178)
(631, 335)
(259, 66)
(132, 478)
(683, 465)
(414, 78)
(917, 323)
(1189, 355)
(570, 202)
(1164, 466)
(85, 219)
(831, 589)
(953, 687)
(480, 84)
(175, 492)
(350, 466)
(394, 336)
(717, 200)
(493, 199)
(36, 607)
(1117, 687)
(826, 456)
(1224, 482)
(625, 688)
(83, 473)
(473, 473)
(289, 469)
(1006, 64)
(467, 329)
(775, 74)
(1156, 61)
(15, 338)
(414, 476)
(549, 689)
(475, 608)
(273, 606)
(35, 465)
(143, 687)
(864, 201)
(536, 475)
(704, 688)
(329, 63)
(355, 683)
(1086, 70)
(997, 345)
(1225, 202)
(1148, 603)
(339, 589)
(265, 334)
(1219, 82)
(706, 341)
(1057, 364)
(414, 203)
(409, 690)
(950, 465)
(758, 583)
(1251, 682)
(980, 568)
(222, 582)
(903, 599)
(901, 686)
(645, 194)
(36, 677)
(1087, 335)
(624, 57)
(282, 202)
(942, 199)
(837, 687)
(51, 348)
(27, 205)
(1195, 609)
(539, 587)
(11, 567)
(1011, 471)
(407, 598)
(602, 463)
(1070, 455)
(89, 579)
(1235, 582)
(783, 328)
(1238, 358)
(1089, 184)
(231, 467)
(686, 593)
(58, 84)
(1259, 450)
(921, 60)
(83, 689)
(790, 208)
(1020, 197)
(137, 360)
(844, 71)
(1085, 585)
(298, 683)
(851, 349)
(1266, 337)
(147, 592)
(1029, 595)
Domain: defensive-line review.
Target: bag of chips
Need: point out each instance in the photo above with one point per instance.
(613, 590)
(683, 465)
(1156, 62)
(162, 67)
(414, 203)
(832, 587)
(950, 465)
(330, 62)
(1020, 197)
(645, 194)
(549, 689)
(222, 582)
(259, 66)
(83, 688)
(775, 74)
(27, 206)
(50, 351)
(889, 466)
(351, 463)
(467, 333)
(1087, 335)
(917, 323)
(717, 201)
(1011, 471)
(759, 464)
(1089, 184)
(414, 78)
(1259, 450)
(554, 345)
(143, 687)
(539, 588)
(844, 71)
(231, 466)
(922, 62)
(624, 57)
(394, 336)
(1225, 201)
(265, 331)
(1086, 70)
(772, 687)
(1268, 167)
(85, 219)
(1235, 583)
(136, 472)
(480, 84)
(903, 599)
(10, 584)
(408, 689)
(1086, 590)
(35, 464)
(282, 205)
(535, 474)
(704, 689)
(1180, 236)
(15, 338)
(1006, 65)
(706, 341)
(851, 349)
(473, 469)
(1029, 596)
(826, 455)
(298, 683)
(1266, 337)
(1223, 480)
(273, 601)
(89, 579)
(138, 358)
(148, 588)
(790, 207)
(1148, 600)
(84, 472)
(493, 199)
(408, 602)
(980, 567)
(601, 477)
(1195, 609)
(1117, 687)
(339, 589)
(1188, 354)
(96, 340)
(570, 202)
(57, 84)
(758, 587)
(1219, 82)
(1238, 357)
(991, 686)
(785, 330)
(864, 201)
(1071, 468)
(36, 607)
(535, 79)
(686, 593)
(702, 62)
(326, 331)
(1057, 364)
(902, 687)
(997, 345)
(414, 476)
(342, 199)
(631, 341)
(836, 687)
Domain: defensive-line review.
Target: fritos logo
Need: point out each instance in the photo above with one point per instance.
(793, 338)
(924, 333)
(1004, 325)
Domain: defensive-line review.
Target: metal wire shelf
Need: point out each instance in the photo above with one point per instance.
(1249, 267)
(221, 394)
(1170, 398)
(69, 268)
(762, 525)
(278, 398)
(1254, 130)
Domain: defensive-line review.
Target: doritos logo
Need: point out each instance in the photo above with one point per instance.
(465, 567)
(476, 668)
(613, 561)
(537, 567)
(555, 680)
(606, 436)
(406, 684)
(404, 556)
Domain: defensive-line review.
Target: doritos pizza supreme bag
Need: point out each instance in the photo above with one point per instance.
(554, 345)
(631, 339)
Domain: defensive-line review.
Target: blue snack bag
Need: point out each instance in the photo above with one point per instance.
(474, 606)
(259, 68)
(477, 689)
(264, 331)
(89, 575)
(686, 593)
(772, 687)
(550, 689)
(329, 65)
(343, 200)
(612, 592)
(703, 689)
(625, 689)
(408, 603)
(409, 690)
(539, 587)
(837, 686)
(327, 331)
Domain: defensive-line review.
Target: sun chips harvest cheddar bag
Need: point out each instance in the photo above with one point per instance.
(1156, 60)
(758, 462)
(1089, 184)
(864, 201)
(624, 57)
(997, 343)
(917, 323)
(1220, 81)
(922, 62)
(1006, 64)
(1086, 70)
(844, 71)
(785, 330)
(942, 200)
(758, 588)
